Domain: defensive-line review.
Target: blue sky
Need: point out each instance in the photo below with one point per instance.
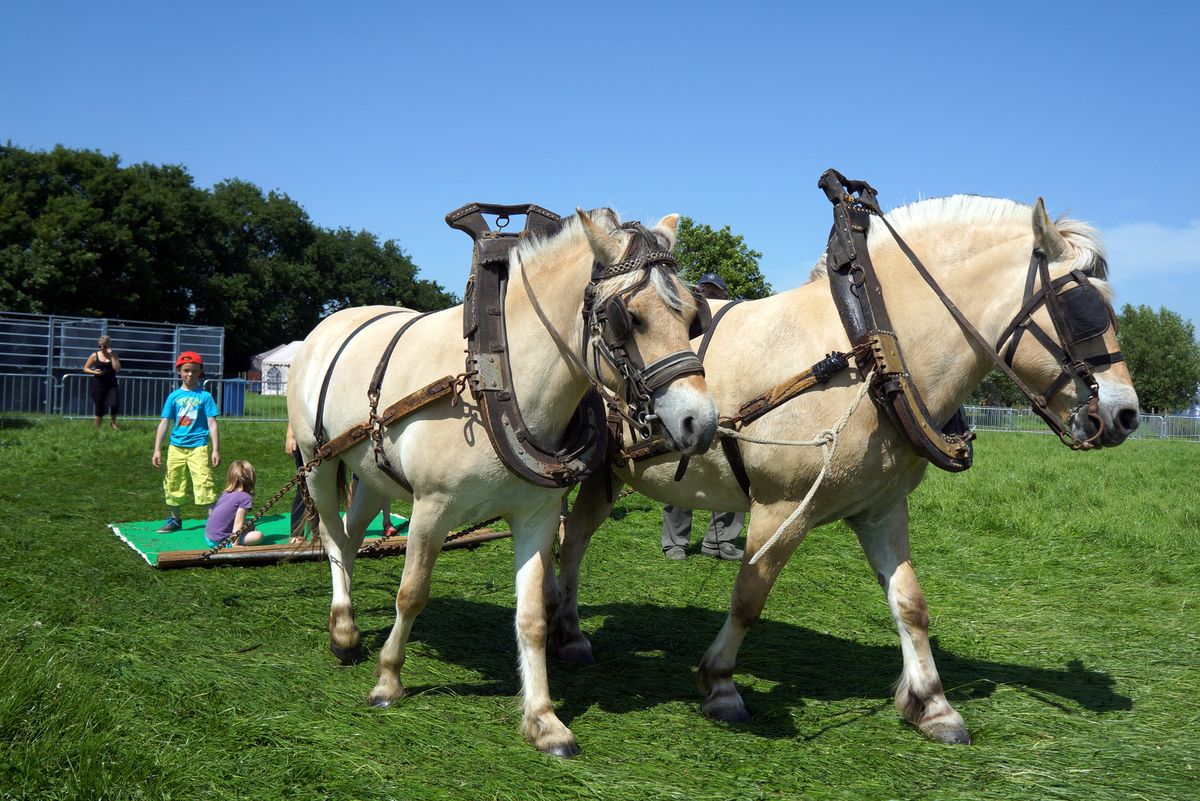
(384, 117)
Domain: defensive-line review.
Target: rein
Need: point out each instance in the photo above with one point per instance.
(859, 299)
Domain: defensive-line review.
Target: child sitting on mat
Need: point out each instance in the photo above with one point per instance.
(229, 512)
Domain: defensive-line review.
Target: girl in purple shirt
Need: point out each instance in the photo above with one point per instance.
(229, 512)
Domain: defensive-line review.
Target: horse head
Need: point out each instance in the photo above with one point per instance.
(1073, 352)
(640, 320)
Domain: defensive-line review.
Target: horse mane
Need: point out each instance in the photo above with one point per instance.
(559, 245)
(1087, 250)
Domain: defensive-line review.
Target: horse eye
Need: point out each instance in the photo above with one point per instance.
(635, 320)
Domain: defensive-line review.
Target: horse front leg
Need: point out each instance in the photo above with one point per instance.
(591, 509)
(715, 677)
(533, 537)
(883, 535)
(426, 535)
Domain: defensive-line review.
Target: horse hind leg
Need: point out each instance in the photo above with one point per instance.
(750, 589)
(426, 535)
(919, 694)
(345, 641)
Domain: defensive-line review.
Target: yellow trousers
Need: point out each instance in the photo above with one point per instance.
(184, 461)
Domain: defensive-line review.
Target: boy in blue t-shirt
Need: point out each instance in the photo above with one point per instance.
(192, 415)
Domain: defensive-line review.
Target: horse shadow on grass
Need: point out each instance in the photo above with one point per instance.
(647, 655)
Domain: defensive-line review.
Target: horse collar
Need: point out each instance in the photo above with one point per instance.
(490, 371)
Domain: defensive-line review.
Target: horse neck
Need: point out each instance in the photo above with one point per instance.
(984, 277)
(547, 388)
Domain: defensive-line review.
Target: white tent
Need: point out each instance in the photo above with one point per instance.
(274, 364)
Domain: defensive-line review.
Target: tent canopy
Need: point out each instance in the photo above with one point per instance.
(280, 356)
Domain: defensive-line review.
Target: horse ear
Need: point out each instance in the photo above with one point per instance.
(1045, 235)
(606, 247)
(668, 226)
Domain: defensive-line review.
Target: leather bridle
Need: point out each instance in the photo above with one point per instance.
(1078, 314)
(608, 326)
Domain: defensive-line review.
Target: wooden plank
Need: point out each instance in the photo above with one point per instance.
(253, 555)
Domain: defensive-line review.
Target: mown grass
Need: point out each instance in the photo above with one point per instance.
(1062, 588)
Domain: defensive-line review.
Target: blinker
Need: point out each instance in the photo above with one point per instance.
(703, 315)
(620, 324)
(1085, 313)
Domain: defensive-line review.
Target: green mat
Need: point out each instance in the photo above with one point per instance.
(143, 536)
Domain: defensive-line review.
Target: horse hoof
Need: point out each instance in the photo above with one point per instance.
(347, 655)
(950, 735)
(564, 751)
(379, 702)
(578, 652)
(725, 706)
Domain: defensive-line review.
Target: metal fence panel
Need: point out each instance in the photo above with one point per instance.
(1150, 426)
(142, 397)
(26, 392)
(56, 344)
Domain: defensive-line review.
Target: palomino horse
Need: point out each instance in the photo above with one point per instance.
(443, 451)
(979, 251)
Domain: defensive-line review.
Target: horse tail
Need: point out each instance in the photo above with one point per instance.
(310, 519)
(343, 486)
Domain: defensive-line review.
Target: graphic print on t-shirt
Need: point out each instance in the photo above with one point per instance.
(185, 411)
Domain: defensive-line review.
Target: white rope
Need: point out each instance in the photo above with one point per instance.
(827, 440)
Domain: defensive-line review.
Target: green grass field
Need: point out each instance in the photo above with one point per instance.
(1062, 588)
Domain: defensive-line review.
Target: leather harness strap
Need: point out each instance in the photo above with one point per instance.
(712, 326)
(319, 425)
(376, 423)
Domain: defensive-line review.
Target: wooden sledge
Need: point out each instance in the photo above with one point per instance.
(252, 555)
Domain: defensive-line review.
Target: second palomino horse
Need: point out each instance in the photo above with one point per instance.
(590, 280)
(978, 250)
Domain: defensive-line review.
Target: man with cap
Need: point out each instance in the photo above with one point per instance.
(720, 538)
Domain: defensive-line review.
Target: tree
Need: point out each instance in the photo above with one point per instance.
(997, 389)
(699, 249)
(1162, 355)
(81, 235)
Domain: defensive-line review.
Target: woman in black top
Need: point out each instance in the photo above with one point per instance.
(102, 366)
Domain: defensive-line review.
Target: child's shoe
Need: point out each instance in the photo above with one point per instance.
(173, 524)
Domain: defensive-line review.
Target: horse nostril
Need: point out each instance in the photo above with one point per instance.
(1127, 419)
(689, 425)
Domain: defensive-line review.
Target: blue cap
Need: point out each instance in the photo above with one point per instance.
(715, 280)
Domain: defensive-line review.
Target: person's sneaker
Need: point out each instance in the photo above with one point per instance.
(675, 552)
(173, 524)
(390, 531)
(726, 551)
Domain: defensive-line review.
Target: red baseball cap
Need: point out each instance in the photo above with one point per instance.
(188, 357)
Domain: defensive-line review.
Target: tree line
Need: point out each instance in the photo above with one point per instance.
(82, 235)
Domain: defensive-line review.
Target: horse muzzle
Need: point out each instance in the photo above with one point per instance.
(687, 415)
(1096, 425)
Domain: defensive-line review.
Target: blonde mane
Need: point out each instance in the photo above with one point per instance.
(1088, 251)
(559, 245)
